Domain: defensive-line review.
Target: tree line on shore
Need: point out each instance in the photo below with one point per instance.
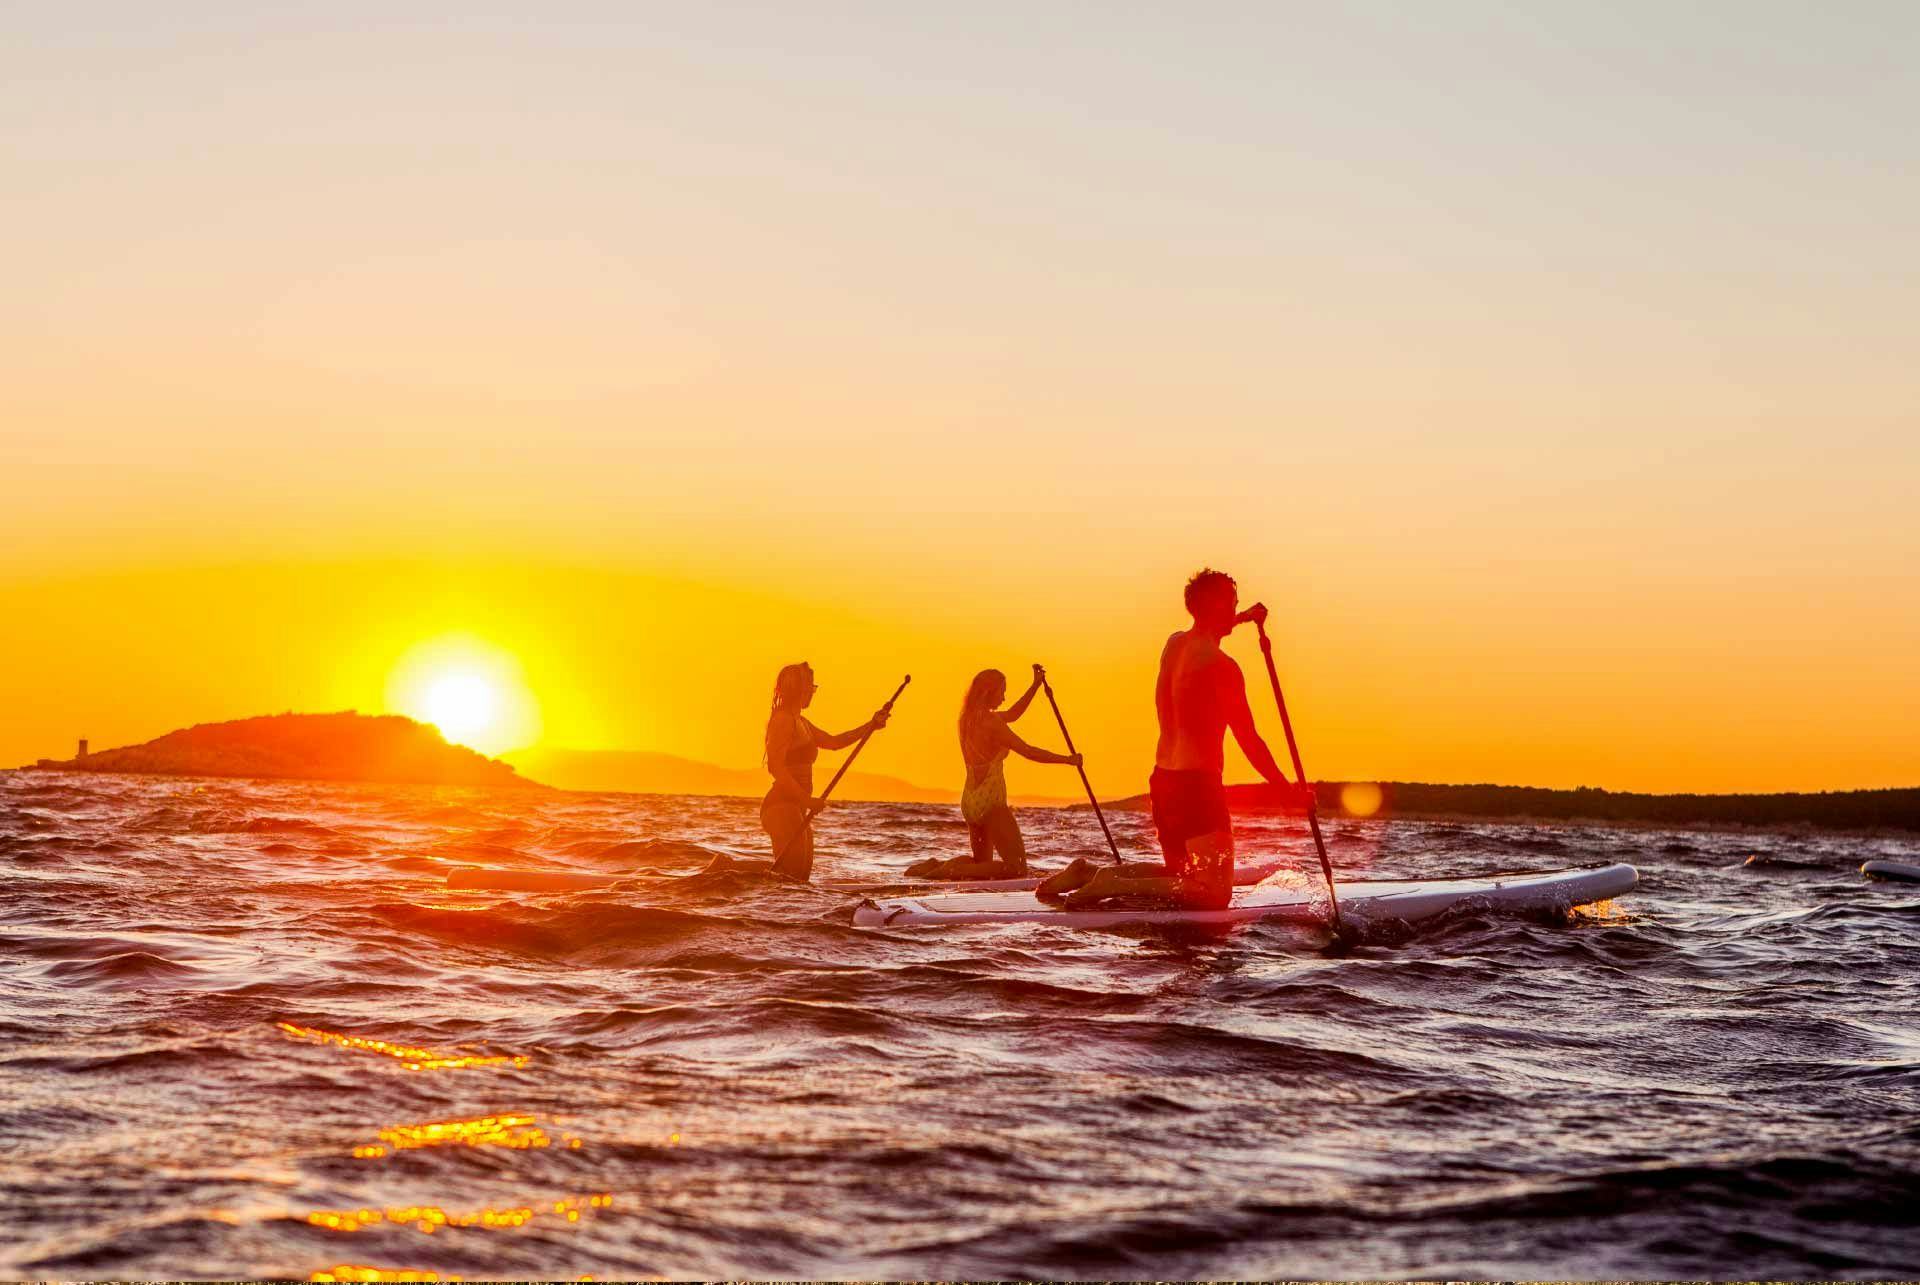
(1894, 809)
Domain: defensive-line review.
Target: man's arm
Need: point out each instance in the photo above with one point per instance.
(1240, 718)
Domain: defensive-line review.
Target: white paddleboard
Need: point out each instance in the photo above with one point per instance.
(1243, 877)
(502, 879)
(1891, 870)
(1408, 900)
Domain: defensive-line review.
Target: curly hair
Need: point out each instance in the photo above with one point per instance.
(1208, 581)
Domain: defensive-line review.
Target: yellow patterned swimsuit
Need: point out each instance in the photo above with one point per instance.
(986, 787)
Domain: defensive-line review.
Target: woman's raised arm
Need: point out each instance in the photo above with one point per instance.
(1019, 707)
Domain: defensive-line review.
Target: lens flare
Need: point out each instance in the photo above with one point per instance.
(1361, 798)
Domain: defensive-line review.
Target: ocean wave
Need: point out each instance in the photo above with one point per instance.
(226, 994)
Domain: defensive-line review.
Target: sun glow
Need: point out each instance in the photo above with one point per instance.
(470, 690)
(462, 706)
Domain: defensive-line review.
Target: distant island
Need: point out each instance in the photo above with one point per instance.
(1838, 810)
(385, 749)
(392, 749)
(645, 772)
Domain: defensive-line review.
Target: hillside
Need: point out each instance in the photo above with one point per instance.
(347, 746)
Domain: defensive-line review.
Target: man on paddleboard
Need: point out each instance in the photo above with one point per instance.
(1200, 695)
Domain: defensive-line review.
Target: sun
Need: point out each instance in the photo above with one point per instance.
(462, 706)
(470, 690)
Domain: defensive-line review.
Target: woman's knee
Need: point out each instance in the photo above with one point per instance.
(795, 860)
(791, 839)
(1006, 836)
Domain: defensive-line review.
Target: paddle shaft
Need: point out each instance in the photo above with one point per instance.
(1293, 748)
(1112, 847)
(852, 754)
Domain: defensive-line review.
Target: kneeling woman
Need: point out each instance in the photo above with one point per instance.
(985, 740)
(792, 744)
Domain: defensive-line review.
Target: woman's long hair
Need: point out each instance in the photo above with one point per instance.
(786, 695)
(974, 709)
(786, 688)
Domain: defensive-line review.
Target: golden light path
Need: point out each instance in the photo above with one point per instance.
(412, 1059)
(355, 1272)
(427, 1219)
(514, 1132)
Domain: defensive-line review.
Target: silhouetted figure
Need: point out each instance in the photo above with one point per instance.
(1200, 694)
(985, 741)
(792, 744)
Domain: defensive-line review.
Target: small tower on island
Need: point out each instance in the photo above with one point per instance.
(83, 748)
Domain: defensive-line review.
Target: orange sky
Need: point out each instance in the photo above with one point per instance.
(1528, 680)
(1552, 380)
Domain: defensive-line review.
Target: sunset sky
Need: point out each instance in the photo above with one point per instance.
(1550, 370)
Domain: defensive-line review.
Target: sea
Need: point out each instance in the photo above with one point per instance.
(246, 1030)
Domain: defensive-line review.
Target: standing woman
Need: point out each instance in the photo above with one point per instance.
(985, 740)
(792, 745)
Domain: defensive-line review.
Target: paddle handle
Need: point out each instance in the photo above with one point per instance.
(1299, 770)
(1112, 847)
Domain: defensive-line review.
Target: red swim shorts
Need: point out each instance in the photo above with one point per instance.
(1186, 805)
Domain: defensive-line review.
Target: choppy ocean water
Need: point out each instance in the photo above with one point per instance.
(245, 1030)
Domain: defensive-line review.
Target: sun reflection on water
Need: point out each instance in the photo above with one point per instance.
(1600, 912)
(427, 1219)
(351, 1272)
(412, 1059)
(514, 1132)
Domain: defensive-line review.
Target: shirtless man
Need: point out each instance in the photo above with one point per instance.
(1200, 695)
